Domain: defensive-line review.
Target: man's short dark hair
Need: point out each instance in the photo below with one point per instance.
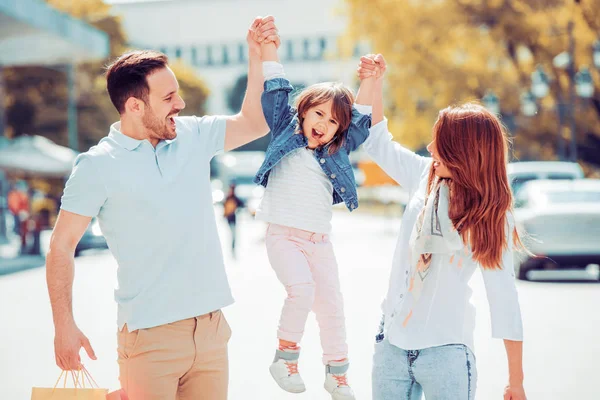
(126, 76)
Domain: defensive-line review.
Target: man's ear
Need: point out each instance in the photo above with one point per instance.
(134, 105)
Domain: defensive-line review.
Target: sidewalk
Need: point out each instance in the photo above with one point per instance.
(11, 261)
(20, 263)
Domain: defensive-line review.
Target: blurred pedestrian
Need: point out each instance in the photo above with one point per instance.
(305, 172)
(40, 222)
(230, 207)
(458, 219)
(19, 206)
(148, 184)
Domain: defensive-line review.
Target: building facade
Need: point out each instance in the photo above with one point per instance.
(210, 35)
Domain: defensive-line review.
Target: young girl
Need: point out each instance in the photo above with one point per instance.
(458, 219)
(306, 170)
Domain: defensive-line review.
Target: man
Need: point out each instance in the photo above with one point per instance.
(148, 183)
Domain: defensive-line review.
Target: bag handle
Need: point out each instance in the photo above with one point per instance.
(78, 376)
(85, 373)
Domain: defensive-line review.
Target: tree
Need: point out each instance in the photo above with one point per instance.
(36, 97)
(449, 51)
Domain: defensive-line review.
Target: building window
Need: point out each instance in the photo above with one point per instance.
(209, 56)
(225, 55)
(289, 50)
(322, 47)
(178, 52)
(242, 53)
(306, 48)
(194, 56)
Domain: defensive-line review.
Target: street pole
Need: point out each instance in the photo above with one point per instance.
(3, 180)
(2, 97)
(72, 107)
(560, 111)
(572, 95)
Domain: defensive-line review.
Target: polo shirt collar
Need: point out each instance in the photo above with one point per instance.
(123, 140)
(128, 142)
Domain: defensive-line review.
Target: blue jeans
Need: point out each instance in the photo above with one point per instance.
(442, 373)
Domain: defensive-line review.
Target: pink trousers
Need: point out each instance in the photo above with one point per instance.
(305, 264)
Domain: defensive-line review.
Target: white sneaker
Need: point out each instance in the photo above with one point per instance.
(336, 382)
(285, 371)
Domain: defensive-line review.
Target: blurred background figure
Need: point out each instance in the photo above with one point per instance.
(230, 207)
(18, 204)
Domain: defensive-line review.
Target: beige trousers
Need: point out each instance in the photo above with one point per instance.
(182, 360)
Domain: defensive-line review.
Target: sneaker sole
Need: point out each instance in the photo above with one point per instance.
(338, 397)
(287, 390)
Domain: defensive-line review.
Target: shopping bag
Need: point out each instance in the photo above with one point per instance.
(117, 395)
(78, 392)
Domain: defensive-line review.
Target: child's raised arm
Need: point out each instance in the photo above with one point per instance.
(274, 99)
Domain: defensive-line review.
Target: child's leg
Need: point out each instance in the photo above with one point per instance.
(329, 304)
(288, 259)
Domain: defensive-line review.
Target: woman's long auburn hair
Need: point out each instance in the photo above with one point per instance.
(473, 145)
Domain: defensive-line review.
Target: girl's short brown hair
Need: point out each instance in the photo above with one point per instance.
(342, 99)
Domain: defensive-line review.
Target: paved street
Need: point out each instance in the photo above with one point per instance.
(562, 322)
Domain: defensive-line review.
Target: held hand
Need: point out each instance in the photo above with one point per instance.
(262, 31)
(381, 64)
(371, 65)
(67, 343)
(514, 392)
(267, 32)
(251, 38)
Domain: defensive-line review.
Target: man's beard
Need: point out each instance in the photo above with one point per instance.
(158, 129)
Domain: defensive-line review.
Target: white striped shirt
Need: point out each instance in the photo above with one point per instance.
(298, 195)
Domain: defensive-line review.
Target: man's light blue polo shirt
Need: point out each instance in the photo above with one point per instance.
(155, 209)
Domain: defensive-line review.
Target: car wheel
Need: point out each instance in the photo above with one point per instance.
(522, 271)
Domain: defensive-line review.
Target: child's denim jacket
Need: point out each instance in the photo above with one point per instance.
(283, 122)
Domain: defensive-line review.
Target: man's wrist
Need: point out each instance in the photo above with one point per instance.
(515, 380)
(64, 324)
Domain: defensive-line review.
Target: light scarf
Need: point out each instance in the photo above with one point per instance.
(433, 233)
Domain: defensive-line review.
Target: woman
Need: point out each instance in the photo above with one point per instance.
(458, 219)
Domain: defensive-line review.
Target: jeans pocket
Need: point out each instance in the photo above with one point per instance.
(380, 336)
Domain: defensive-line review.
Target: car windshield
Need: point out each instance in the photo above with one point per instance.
(580, 196)
(519, 181)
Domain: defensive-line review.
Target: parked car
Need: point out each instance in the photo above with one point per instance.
(521, 172)
(92, 238)
(560, 223)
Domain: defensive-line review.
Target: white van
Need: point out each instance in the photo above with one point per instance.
(521, 172)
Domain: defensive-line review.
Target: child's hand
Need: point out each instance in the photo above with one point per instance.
(262, 31)
(381, 66)
(267, 32)
(371, 66)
